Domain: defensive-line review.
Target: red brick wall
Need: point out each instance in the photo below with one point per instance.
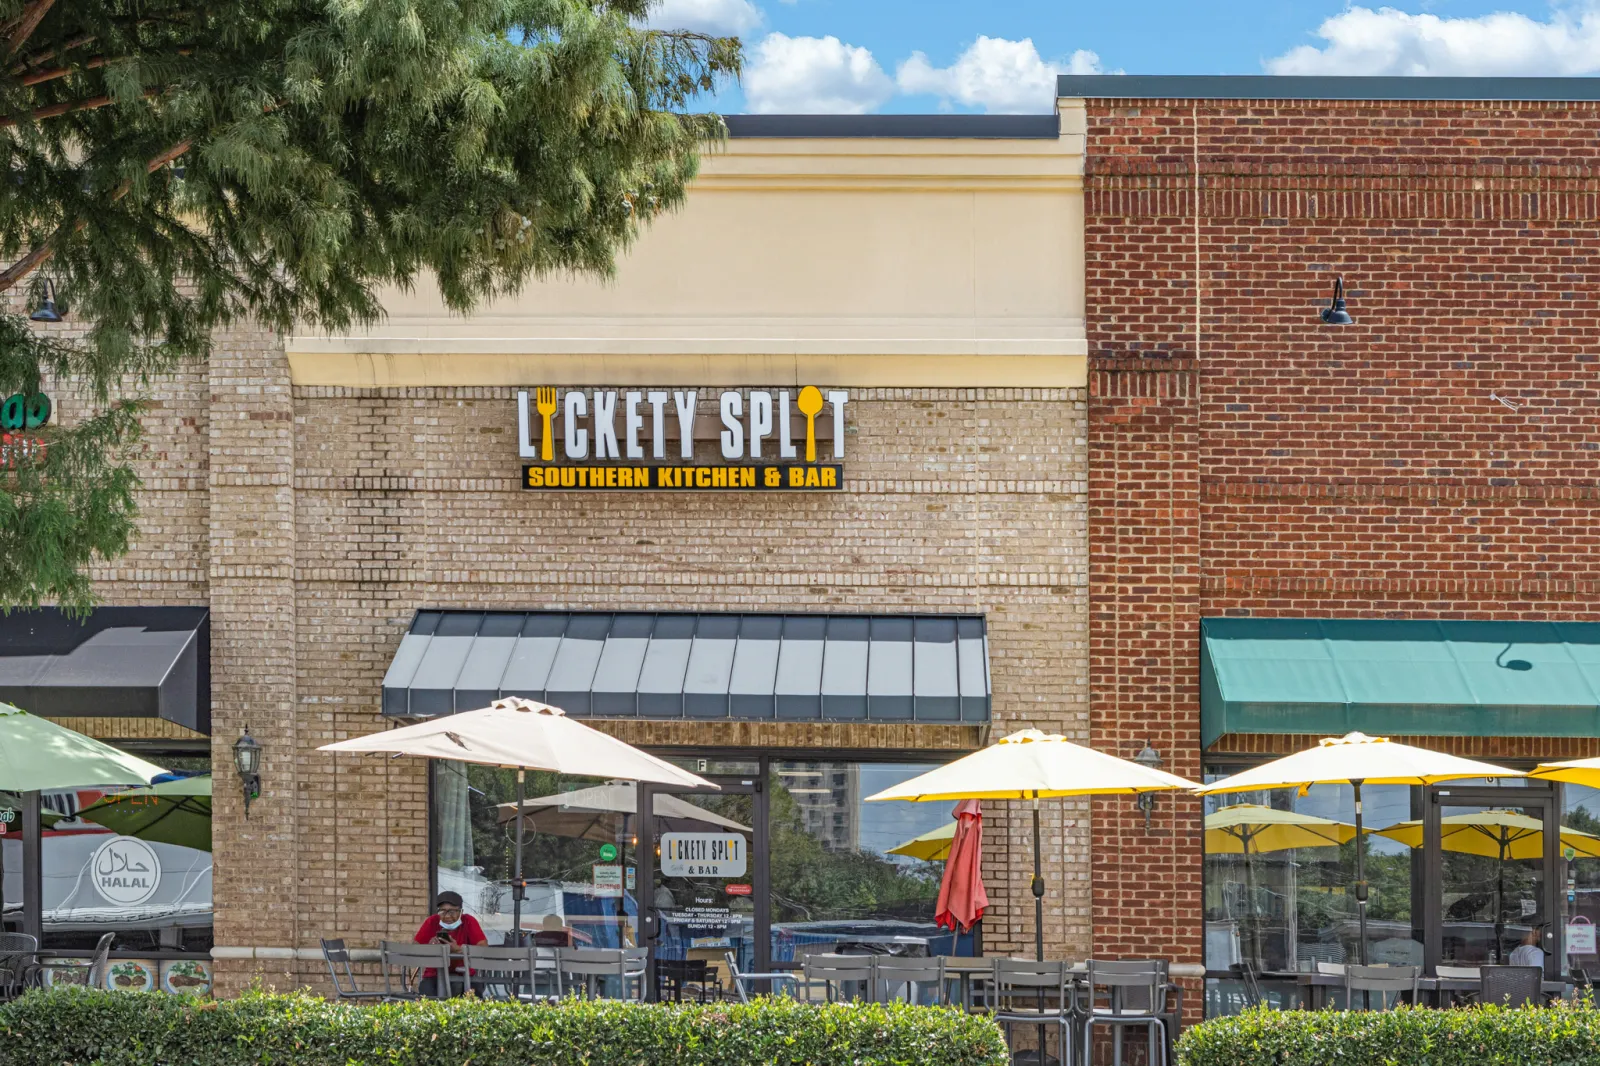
(1246, 459)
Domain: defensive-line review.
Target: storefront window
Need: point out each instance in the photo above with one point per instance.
(1279, 876)
(841, 874)
(135, 862)
(837, 884)
(1580, 888)
(578, 835)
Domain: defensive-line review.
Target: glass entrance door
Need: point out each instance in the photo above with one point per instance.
(702, 883)
(1491, 853)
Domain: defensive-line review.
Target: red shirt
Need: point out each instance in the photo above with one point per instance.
(468, 932)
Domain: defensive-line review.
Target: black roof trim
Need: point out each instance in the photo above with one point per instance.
(1275, 87)
(1009, 127)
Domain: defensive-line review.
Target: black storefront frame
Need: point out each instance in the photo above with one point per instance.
(1550, 797)
(760, 850)
(1427, 869)
(764, 758)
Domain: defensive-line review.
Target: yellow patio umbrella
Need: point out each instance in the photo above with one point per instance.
(1494, 835)
(1355, 760)
(932, 846)
(1249, 828)
(1499, 835)
(1032, 765)
(1576, 772)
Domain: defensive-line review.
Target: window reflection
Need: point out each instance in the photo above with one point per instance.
(836, 883)
(1580, 892)
(131, 861)
(573, 825)
(1286, 902)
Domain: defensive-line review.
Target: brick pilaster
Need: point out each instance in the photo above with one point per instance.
(252, 555)
(1143, 639)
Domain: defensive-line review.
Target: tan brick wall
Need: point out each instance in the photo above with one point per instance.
(330, 515)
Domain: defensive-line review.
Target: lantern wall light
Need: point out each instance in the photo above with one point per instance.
(247, 761)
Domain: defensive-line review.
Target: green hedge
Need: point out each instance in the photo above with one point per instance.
(1481, 1036)
(78, 1027)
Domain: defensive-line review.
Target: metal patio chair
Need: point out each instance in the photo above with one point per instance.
(586, 972)
(1456, 996)
(742, 981)
(19, 963)
(1130, 993)
(100, 963)
(1399, 981)
(674, 977)
(1038, 994)
(1511, 986)
(502, 972)
(404, 961)
(897, 978)
(345, 985)
(842, 977)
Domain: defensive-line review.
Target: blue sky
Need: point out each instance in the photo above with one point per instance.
(856, 56)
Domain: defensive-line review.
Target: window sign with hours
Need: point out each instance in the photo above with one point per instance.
(703, 855)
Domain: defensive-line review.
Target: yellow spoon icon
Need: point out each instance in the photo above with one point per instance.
(810, 404)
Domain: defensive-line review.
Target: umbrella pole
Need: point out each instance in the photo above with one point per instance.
(1250, 897)
(518, 890)
(1500, 904)
(1038, 887)
(1361, 881)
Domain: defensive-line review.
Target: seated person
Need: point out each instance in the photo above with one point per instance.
(1529, 953)
(447, 925)
(553, 933)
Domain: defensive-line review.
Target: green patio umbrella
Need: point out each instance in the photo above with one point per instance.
(37, 755)
(173, 812)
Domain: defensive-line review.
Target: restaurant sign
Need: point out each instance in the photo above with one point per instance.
(20, 412)
(610, 439)
(703, 855)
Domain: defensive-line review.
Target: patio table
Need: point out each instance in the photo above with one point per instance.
(1317, 985)
(964, 970)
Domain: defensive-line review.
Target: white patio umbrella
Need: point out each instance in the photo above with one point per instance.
(593, 813)
(1355, 760)
(523, 735)
(1032, 765)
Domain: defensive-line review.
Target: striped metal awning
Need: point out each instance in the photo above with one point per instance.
(795, 667)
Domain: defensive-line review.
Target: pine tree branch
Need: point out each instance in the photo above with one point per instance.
(66, 107)
(26, 24)
(42, 76)
(44, 57)
(41, 254)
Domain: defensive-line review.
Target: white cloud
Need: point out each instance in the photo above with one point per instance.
(725, 18)
(1386, 41)
(813, 75)
(995, 74)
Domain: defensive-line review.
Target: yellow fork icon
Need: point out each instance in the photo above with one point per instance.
(545, 399)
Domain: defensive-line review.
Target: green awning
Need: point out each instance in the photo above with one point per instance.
(1398, 678)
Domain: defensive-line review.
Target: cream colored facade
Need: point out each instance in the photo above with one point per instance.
(316, 491)
(858, 261)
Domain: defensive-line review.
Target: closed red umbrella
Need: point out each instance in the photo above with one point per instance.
(962, 899)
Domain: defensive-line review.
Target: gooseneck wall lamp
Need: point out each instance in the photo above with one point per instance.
(1150, 759)
(247, 760)
(47, 310)
(1336, 315)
